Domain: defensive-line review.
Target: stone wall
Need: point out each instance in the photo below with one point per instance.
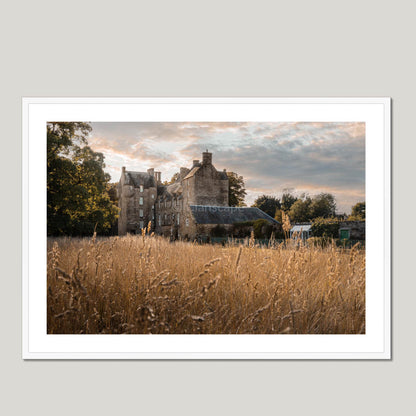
(136, 207)
(167, 213)
(171, 215)
(207, 187)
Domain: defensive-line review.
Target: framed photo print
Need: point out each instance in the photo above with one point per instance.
(206, 228)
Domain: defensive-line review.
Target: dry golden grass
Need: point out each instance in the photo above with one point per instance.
(145, 284)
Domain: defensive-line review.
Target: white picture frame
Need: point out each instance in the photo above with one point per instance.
(374, 344)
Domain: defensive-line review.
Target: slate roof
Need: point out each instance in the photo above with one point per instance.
(192, 172)
(167, 192)
(222, 175)
(140, 178)
(207, 214)
(175, 188)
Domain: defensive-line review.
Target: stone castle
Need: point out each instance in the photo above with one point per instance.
(188, 208)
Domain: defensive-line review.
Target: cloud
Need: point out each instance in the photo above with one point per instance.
(313, 157)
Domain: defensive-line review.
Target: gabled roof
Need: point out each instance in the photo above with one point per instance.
(192, 172)
(297, 228)
(140, 178)
(195, 169)
(167, 192)
(207, 214)
(175, 188)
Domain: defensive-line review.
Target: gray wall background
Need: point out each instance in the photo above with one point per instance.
(212, 48)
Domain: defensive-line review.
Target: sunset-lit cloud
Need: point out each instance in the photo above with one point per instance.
(307, 157)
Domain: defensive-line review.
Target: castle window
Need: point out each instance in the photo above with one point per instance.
(160, 220)
(178, 219)
(141, 188)
(141, 213)
(153, 196)
(141, 200)
(187, 222)
(141, 224)
(153, 215)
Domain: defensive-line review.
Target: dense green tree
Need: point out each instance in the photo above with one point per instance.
(288, 199)
(357, 212)
(300, 211)
(268, 204)
(325, 227)
(278, 215)
(77, 186)
(236, 190)
(323, 205)
(112, 192)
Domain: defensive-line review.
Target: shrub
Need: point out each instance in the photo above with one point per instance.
(218, 231)
(325, 227)
(242, 229)
(262, 228)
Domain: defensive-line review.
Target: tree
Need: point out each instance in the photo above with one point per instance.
(278, 215)
(236, 190)
(323, 205)
(173, 179)
(325, 227)
(288, 199)
(357, 212)
(300, 211)
(268, 204)
(77, 186)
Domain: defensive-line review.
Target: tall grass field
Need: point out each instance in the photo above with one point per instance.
(147, 285)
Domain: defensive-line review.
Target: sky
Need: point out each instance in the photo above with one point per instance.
(305, 157)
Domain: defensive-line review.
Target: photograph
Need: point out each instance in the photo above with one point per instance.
(206, 228)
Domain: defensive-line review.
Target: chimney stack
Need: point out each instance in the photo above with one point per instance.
(158, 177)
(183, 172)
(195, 163)
(123, 170)
(207, 158)
(151, 171)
